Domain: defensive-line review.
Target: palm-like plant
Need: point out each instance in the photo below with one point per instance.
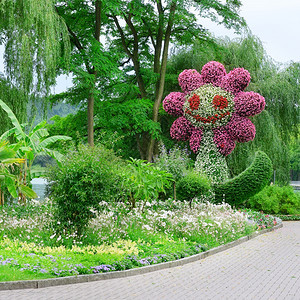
(9, 159)
(28, 145)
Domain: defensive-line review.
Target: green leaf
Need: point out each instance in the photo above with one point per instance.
(13, 118)
(27, 191)
(11, 187)
(53, 139)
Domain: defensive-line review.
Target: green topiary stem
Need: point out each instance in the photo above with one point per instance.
(210, 161)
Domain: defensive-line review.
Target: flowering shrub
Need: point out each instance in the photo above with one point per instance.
(213, 102)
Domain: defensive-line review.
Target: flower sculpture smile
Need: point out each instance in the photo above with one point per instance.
(213, 104)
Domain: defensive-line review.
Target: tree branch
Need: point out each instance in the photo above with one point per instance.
(98, 5)
(122, 35)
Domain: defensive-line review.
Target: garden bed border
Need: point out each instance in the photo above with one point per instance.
(42, 283)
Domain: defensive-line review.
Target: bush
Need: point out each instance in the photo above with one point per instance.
(240, 188)
(191, 186)
(85, 178)
(276, 200)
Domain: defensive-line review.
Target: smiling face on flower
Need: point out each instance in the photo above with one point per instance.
(214, 100)
(208, 106)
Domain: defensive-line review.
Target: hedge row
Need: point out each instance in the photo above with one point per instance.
(248, 183)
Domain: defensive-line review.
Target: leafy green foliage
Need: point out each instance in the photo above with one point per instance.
(35, 40)
(175, 161)
(276, 200)
(85, 178)
(8, 180)
(14, 98)
(192, 185)
(28, 146)
(144, 181)
(240, 188)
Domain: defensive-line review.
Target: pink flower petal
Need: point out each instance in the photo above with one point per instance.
(213, 72)
(173, 103)
(236, 80)
(240, 129)
(224, 142)
(181, 129)
(249, 103)
(195, 139)
(189, 80)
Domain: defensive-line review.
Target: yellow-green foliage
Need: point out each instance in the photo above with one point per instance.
(121, 247)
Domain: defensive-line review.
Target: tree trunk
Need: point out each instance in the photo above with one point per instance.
(90, 117)
(161, 83)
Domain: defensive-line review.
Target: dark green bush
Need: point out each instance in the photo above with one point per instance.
(240, 188)
(192, 185)
(85, 178)
(276, 200)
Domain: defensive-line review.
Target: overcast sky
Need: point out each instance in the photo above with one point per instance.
(275, 22)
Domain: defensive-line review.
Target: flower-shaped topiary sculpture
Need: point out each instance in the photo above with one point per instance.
(213, 112)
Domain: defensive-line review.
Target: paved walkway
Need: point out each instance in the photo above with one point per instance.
(266, 267)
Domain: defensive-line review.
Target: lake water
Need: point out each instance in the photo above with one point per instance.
(39, 186)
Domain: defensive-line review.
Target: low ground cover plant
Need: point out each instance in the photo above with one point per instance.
(118, 238)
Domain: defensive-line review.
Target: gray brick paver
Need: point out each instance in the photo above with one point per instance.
(238, 273)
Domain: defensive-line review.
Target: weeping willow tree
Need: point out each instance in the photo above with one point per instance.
(14, 98)
(280, 85)
(35, 40)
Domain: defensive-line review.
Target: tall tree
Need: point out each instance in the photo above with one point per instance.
(145, 30)
(35, 39)
(90, 64)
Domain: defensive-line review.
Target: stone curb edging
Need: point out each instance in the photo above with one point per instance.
(35, 284)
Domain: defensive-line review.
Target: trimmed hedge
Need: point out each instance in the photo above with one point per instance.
(192, 185)
(248, 183)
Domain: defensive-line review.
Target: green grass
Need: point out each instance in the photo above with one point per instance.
(8, 273)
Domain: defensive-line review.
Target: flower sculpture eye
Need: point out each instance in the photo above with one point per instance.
(214, 111)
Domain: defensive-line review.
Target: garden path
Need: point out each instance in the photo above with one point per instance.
(266, 267)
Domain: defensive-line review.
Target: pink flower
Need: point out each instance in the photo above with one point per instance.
(213, 72)
(189, 80)
(225, 113)
(181, 129)
(195, 139)
(173, 103)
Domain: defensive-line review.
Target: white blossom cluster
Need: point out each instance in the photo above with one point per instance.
(210, 161)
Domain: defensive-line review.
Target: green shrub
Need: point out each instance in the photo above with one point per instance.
(191, 186)
(240, 188)
(276, 200)
(144, 181)
(85, 178)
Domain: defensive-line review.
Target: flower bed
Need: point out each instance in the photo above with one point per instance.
(118, 239)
